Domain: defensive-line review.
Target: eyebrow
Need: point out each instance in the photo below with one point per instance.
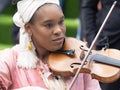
(47, 21)
(62, 17)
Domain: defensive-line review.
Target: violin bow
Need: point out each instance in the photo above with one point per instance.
(93, 43)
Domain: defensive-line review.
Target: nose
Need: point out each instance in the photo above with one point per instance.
(57, 30)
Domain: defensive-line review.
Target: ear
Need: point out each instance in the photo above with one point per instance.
(28, 28)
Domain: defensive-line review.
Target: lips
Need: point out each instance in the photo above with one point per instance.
(59, 40)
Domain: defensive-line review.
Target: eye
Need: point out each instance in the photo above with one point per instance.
(61, 22)
(49, 25)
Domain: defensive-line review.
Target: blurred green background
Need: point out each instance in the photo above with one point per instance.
(71, 12)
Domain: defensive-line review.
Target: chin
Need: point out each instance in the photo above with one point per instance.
(56, 48)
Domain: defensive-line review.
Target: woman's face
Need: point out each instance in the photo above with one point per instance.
(48, 28)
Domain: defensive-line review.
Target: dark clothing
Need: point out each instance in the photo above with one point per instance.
(15, 34)
(91, 20)
(4, 4)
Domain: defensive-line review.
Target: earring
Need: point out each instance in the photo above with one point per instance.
(30, 44)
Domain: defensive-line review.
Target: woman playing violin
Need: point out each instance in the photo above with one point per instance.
(42, 30)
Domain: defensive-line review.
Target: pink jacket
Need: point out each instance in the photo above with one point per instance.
(13, 77)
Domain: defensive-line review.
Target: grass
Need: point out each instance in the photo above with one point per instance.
(4, 46)
(5, 19)
(6, 29)
(71, 27)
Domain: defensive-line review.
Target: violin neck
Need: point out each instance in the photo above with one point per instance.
(106, 60)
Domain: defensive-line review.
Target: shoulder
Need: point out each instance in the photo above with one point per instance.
(8, 58)
(9, 53)
(5, 53)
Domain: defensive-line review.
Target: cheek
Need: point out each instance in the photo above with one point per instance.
(40, 38)
(39, 33)
(64, 29)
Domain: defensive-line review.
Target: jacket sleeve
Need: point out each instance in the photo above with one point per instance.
(5, 69)
(88, 10)
(90, 83)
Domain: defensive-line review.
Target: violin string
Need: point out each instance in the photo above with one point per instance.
(95, 39)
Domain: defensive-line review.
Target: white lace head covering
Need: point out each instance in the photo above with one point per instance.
(25, 10)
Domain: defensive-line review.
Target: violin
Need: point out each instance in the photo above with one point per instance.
(103, 65)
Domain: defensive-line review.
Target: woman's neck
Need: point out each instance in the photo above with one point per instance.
(42, 54)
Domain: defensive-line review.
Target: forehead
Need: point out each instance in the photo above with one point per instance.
(48, 10)
(46, 5)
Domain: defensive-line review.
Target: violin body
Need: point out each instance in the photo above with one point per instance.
(65, 65)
